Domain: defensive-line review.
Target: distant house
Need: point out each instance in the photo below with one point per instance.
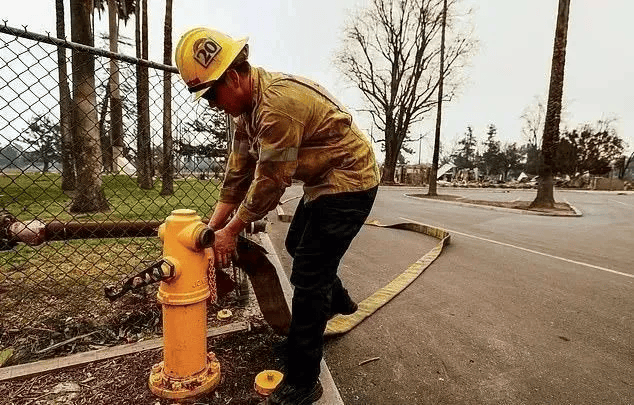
(628, 174)
(416, 175)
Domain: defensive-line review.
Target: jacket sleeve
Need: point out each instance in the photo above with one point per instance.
(240, 168)
(279, 137)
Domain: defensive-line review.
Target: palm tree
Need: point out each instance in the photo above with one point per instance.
(550, 138)
(68, 167)
(116, 108)
(144, 153)
(90, 196)
(168, 166)
(117, 10)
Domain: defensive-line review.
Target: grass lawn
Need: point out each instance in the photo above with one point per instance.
(39, 195)
(38, 282)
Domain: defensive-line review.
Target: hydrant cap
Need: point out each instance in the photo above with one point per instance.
(267, 380)
(183, 212)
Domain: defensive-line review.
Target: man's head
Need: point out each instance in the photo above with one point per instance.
(215, 67)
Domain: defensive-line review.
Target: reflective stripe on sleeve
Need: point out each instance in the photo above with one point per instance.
(279, 155)
(240, 147)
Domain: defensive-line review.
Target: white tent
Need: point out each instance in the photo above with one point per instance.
(446, 168)
(124, 166)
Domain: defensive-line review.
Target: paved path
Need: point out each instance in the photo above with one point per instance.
(518, 309)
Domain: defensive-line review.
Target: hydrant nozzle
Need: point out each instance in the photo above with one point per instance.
(187, 369)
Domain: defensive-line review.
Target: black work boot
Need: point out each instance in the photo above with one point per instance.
(280, 350)
(288, 394)
(342, 304)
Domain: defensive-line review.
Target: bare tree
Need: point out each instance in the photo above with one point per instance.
(545, 196)
(168, 144)
(390, 51)
(533, 118)
(432, 191)
(144, 152)
(90, 196)
(68, 161)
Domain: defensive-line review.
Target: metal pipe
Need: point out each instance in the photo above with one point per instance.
(35, 232)
(23, 33)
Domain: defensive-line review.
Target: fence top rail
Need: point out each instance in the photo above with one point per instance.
(23, 33)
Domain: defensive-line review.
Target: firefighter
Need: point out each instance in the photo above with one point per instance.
(287, 127)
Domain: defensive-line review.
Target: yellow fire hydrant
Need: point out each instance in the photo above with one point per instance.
(187, 369)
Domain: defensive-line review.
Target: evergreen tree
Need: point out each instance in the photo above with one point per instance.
(491, 161)
(590, 148)
(465, 156)
(511, 158)
(43, 138)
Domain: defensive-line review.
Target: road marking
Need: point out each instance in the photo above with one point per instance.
(619, 202)
(530, 250)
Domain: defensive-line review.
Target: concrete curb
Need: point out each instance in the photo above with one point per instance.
(83, 358)
(528, 190)
(502, 209)
(331, 394)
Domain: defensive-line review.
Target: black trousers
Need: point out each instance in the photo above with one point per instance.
(319, 236)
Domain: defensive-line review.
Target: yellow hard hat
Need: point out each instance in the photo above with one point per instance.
(202, 56)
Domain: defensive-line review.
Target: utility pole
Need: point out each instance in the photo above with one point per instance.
(420, 140)
(434, 166)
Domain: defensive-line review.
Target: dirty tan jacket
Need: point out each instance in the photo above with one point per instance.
(296, 130)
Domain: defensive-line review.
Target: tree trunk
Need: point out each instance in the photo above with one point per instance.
(104, 137)
(391, 153)
(545, 196)
(116, 106)
(434, 166)
(68, 161)
(144, 155)
(90, 197)
(168, 166)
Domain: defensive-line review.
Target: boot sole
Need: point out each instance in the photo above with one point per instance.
(313, 396)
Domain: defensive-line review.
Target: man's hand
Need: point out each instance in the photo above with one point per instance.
(224, 246)
(226, 233)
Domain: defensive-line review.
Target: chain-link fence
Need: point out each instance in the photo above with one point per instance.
(43, 149)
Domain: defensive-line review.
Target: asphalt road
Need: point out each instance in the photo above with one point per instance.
(518, 309)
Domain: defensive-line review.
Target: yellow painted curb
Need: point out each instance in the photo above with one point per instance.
(341, 324)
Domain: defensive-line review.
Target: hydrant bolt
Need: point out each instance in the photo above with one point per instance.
(167, 269)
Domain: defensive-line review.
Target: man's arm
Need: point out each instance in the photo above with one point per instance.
(238, 176)
(221, 214)
(279, 137)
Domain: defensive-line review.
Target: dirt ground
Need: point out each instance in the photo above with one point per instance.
(558, 209)
(124, 380)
